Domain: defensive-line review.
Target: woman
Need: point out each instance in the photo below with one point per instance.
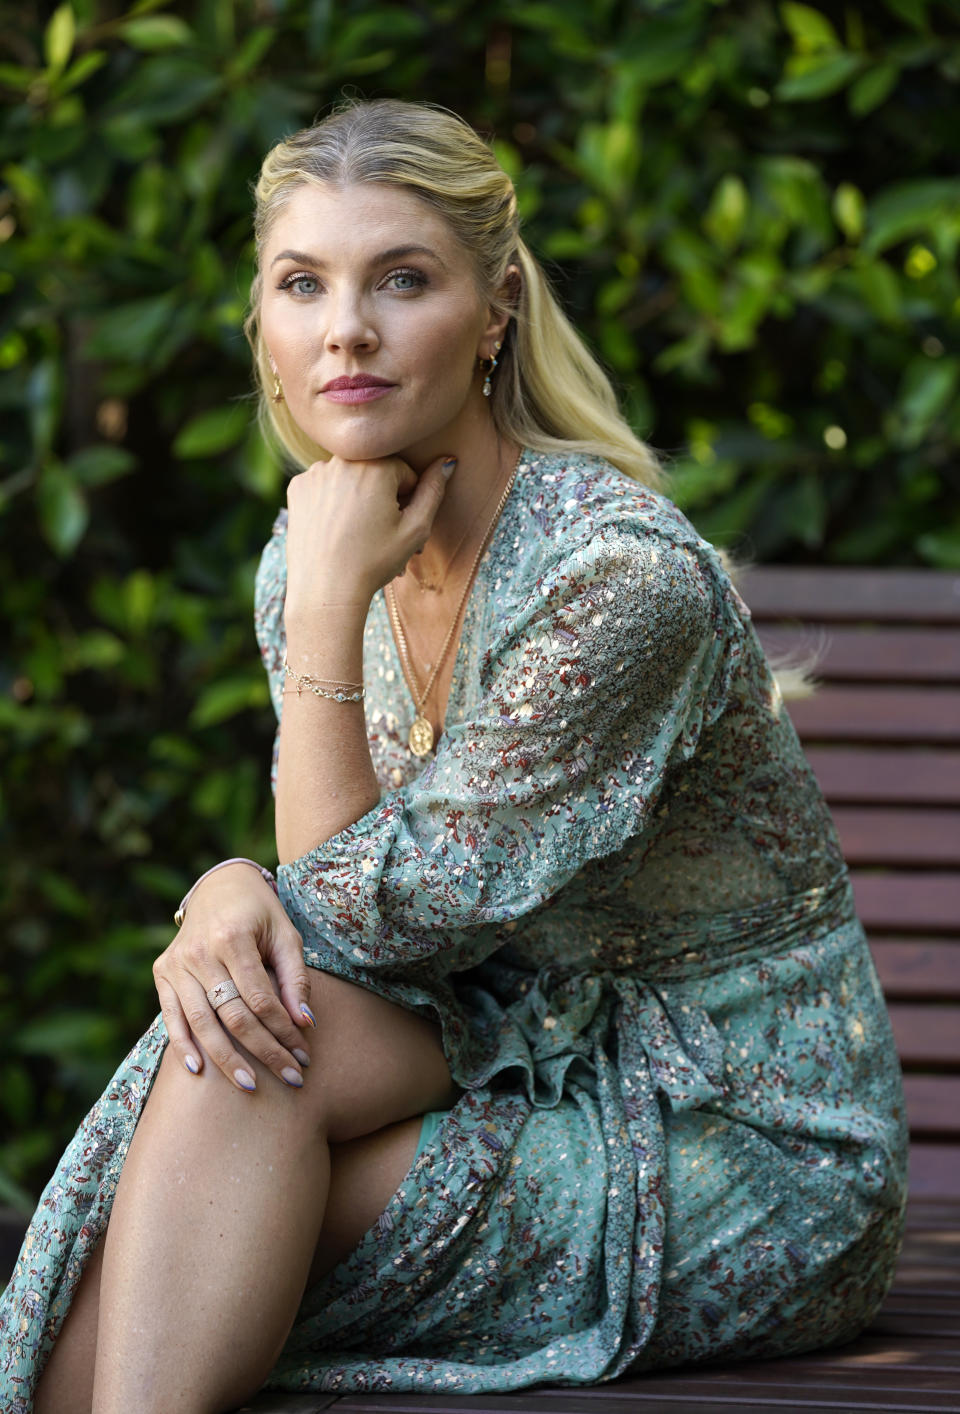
(600, 1076)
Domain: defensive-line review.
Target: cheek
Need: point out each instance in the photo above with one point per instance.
(285, 335)
(447, 349)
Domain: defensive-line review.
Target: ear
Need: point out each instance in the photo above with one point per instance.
(509, 293)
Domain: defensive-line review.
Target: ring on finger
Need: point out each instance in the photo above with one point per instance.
(222, 993)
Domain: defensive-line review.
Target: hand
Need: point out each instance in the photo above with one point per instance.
(352, 527)
(235, 927)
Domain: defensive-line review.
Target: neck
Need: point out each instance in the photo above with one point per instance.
(484, 466)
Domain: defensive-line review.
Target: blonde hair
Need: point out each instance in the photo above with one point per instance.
(549, 394)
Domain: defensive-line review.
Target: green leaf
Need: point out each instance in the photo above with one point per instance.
(872, 88)
(130, 332)
(96, 466)
(165, 88)
(227, 697)
(62, 509)
(822, 77)
(726, 215)
(212, 431)
(909, 208)
(251, 51)
(157, 32)
(810, 29)
(941, 548)
(848, 210)
(927, 387)
(15, 77)
(58, 38)
(880, 289)
(64, 1033)
(914, 12)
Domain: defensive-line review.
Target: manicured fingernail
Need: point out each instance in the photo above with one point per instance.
(191, 1065)
(301, 1056)
(308, 1014)
(448, 467)
(291, 1076)
(245, 1080)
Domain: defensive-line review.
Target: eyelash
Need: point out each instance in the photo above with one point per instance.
(288, 282)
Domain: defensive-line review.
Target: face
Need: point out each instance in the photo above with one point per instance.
(346, 293)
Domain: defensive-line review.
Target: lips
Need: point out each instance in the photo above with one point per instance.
(359, 380)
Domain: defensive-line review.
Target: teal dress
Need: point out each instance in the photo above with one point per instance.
(618, 889)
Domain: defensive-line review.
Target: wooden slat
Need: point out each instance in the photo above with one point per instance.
(933, 1105)
(928, 1037)
(894, 776)
(869, 654)
(908, 714)
(290, 1404)
(906, 902)
(838, 595)
(901, 837)
(918, 968)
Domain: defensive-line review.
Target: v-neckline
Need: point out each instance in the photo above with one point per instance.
(457, 683)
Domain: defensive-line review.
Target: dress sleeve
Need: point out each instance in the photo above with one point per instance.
(601, 676)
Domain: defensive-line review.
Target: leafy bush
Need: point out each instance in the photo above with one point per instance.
(752, 211)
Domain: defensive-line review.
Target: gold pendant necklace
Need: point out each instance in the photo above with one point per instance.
(421, 737)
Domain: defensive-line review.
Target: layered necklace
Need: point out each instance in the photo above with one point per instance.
(420, 738)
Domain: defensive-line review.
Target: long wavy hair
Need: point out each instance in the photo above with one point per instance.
(550, 393)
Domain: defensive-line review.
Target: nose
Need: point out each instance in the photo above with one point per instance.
(349, 324)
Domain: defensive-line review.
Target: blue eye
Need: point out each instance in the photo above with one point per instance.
(292, 281)
(414, 275)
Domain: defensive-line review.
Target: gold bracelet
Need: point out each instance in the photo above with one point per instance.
(322, 692)
(315, 685)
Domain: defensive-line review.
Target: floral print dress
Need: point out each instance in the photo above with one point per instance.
(618, 889)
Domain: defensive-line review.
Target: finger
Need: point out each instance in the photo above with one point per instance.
(241, 1018)
(177, 1029)
(260, 994)
(214, 1038)
(285, 953)
(423, 505)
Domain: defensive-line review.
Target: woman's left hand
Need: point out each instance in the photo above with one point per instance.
(352, 527)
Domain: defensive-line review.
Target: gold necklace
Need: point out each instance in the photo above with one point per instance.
(420, 738)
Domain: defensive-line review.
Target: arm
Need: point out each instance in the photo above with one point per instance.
(598, 682)
(346, 537)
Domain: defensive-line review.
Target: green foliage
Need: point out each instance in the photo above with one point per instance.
(751, 210)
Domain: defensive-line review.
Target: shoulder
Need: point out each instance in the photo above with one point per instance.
(588, 523)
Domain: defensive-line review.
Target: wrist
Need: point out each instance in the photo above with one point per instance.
(235, 867)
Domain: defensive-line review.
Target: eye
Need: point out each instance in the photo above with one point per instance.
(298, 279)
(415, 276)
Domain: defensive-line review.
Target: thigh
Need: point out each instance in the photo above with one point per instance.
(364, 1175)
(66, 1385)
(373, 1063)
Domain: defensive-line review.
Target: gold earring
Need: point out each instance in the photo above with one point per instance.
(277, 390)
(487, 385)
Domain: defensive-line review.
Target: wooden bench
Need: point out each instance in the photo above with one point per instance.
(883, 736)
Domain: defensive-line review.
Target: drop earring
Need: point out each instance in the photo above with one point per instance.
(487, 385)
(277, 390)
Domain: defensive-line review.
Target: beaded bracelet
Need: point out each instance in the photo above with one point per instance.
(314, 685)
(180, 914)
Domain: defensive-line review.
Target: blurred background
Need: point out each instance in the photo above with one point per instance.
(751, 210)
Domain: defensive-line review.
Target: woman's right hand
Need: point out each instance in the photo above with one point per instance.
(235, 928)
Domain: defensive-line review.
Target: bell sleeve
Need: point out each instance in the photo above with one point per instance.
(598, 677)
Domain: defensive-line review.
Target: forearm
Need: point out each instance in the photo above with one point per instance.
(325, 777)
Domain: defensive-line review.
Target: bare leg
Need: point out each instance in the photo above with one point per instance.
(364, 1175)
(222, 1198)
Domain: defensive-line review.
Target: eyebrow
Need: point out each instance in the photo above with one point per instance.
(303, 257)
